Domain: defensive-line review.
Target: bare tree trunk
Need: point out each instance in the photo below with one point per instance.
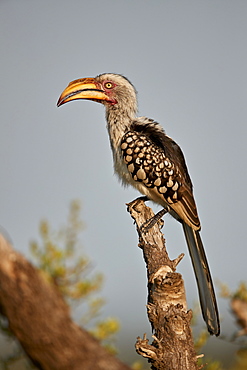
(40, 319)
(172, 348)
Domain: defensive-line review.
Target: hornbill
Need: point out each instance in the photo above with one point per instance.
(149, 160)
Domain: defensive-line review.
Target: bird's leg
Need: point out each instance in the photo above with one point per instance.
(153, 220)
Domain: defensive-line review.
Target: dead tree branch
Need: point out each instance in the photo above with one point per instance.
(40, 319)
(173, 346)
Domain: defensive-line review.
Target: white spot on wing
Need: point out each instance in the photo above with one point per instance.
(124, 146)
(162, 190)
(131, 167)
(157, 182)
(170, 183)
(141, 174)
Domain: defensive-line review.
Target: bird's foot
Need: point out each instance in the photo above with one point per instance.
(153, 220)
(136, 201)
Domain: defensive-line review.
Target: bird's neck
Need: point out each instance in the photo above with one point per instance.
(118, 123)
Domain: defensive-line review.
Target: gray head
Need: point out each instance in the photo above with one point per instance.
(114, 91)
(120, 89)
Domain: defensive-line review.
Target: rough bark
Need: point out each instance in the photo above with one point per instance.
(173, 347)
(40, 319)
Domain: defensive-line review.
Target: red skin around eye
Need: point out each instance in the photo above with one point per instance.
(109, 92)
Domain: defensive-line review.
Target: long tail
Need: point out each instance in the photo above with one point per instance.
(204, 280)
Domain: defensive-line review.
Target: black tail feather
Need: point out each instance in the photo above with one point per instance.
(204, 280)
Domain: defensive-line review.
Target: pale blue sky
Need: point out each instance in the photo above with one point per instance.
(187, 59)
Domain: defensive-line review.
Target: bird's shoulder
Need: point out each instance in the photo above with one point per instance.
(156, 135)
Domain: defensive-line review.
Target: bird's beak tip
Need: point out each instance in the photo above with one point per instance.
(60, 102)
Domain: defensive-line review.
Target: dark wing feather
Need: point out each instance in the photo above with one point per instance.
(184, 207)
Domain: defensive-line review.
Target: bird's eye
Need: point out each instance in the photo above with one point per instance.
(108, 85)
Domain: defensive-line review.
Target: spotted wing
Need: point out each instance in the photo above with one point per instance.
(160, 166)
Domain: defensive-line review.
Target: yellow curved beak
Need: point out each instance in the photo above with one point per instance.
(84, 88)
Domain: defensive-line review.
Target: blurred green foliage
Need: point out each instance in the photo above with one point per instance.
(240, 362)
(60, 258)
(59, 255)
(241, 292)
